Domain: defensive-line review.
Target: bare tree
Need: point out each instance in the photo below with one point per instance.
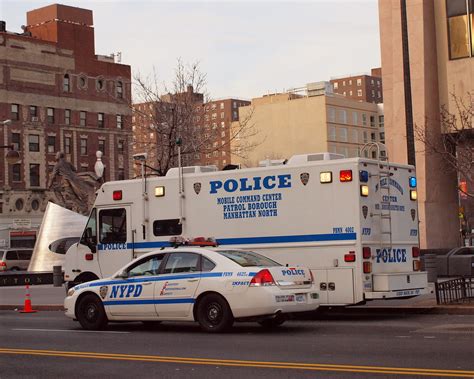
(170, 116)
(455, 143)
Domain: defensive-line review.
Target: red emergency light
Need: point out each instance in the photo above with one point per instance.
(345, 175)
(117, 195)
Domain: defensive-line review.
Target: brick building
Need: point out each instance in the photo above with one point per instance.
(367, 88)
(210, 128)
(59, 96)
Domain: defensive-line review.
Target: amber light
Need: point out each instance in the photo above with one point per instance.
(416, 265)
(367, 267)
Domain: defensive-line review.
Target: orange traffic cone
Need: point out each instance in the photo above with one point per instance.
(27, 308)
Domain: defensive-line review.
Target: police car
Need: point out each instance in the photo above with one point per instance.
(212, 286)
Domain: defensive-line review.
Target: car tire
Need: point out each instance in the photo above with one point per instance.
(214, 314)
(272, 323)
(91, 313)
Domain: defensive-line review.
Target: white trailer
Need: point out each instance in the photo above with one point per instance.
(353, 222)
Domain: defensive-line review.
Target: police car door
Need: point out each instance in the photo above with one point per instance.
(174, 292)
(115, 238)
(132, 293)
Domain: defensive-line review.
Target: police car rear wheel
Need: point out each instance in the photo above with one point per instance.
(214, 314)
(91, 314)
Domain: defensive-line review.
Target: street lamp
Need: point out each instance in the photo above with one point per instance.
(12, 155)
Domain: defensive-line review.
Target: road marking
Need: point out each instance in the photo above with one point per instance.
(72, 331)
(244, 363)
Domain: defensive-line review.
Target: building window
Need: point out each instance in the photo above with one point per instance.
(33, 113)
(372, 137)
(335, 85)
(102, 146)
(355, 118)
(364, 119)
(222, 105)
(365, 138)
(83, 146)
(332, 133)
(119, 121)
(66, 83)
(359, 92)
(120, 146)
(16, 172)
(235, 115)
(120, 90)
(381, 121)
(372, 81)
(382, 137)
(343, 82)
(16, 141)
(100, 85)
(82, 118)
(372, 121)
(355, 136)
(343, 116)
(33, 142)
(67, 145)
(51, 144)
(67, 116)
(373, 93)
(100, 120)
(15, 112)
(234, 104)
(34, 175)
(379, 95)
(359, 82)
(458, 28)
(350, 93)
(50, 115)
(343, 134)
(331, 115)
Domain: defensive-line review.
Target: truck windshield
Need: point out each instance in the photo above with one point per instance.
(248, 258)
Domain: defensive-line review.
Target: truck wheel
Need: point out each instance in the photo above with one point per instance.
(90, 313)
(214, 314)
(272, 323)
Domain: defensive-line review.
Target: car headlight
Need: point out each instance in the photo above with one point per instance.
(71, 292)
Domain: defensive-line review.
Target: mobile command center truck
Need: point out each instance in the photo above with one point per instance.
(354, 222)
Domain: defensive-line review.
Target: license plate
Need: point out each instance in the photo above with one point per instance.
(301, 298)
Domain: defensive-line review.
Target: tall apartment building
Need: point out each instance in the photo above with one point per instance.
(363, 87)
(59, 96)
(211, 127)
(427, 54)
(318, 121)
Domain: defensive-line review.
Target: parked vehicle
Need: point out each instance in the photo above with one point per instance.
(457, 262)
(15, 259)
(211, 286)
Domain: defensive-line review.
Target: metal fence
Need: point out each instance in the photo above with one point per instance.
(460, 290)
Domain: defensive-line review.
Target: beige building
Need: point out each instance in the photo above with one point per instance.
(317, 121)
(417, 81)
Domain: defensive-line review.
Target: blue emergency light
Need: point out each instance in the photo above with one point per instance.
(363, 176)
(412, 182)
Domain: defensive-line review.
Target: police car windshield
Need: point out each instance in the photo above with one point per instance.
(248, 258)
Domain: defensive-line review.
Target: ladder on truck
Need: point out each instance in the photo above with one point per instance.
(383, 174)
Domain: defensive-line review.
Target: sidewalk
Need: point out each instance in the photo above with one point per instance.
(47, 297)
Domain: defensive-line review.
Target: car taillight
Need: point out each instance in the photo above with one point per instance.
(366, 253)
(415, 252)
(3, 266)
(367, 267)
(416, 265)
(262, 278)
(89, 257)
(351, 257)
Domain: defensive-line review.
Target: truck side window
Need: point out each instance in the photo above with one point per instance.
(89, 237)
(167, 227)
(113, 225)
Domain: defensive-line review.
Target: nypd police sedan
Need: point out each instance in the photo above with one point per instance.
(214, 287)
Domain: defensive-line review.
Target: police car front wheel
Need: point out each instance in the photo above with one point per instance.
(90, 313)
(214, 314)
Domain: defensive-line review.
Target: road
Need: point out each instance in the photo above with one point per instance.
(47, 344)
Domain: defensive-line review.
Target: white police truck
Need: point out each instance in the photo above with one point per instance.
(353, 222)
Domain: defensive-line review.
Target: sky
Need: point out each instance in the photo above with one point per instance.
(246, 48)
